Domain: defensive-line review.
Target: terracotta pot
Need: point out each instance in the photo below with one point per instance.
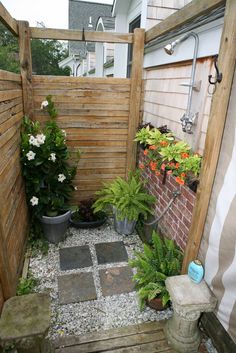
(156, 304)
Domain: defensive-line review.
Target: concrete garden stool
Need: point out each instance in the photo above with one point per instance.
(189, 301)
(25, 322)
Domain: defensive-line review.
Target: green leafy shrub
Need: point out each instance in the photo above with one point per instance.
(153, 266)
(128, 197)
(46, 171)
(27, 285)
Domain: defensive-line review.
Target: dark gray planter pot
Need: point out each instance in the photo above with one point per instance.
(54, 228)
(123, 227)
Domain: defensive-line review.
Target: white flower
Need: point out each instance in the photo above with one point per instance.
(34, 201)
(33, 141)
(40, 139)
(75, 188)
(52, 157)
(61, 177)
(64, 132)
(44, 104)
(30, 155)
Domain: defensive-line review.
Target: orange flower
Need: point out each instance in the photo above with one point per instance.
(152, 147)
(141, 166)
(163, 166)
(176, 165)
(171, 164)
(183, 175)
(179, 180)
(145, 152)
(153, 165)
(184, 155)
(164, 143)
(169, 172)
(157, 173)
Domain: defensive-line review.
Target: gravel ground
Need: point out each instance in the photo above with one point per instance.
(104, 312)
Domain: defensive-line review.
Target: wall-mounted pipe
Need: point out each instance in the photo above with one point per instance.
(188, 118)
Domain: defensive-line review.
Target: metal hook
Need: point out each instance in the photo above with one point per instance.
(219, 75)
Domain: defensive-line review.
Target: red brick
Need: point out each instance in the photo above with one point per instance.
(183, 227)
(189, 206)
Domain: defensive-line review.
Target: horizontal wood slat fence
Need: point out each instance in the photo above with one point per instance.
(13, 210)
(94, 112)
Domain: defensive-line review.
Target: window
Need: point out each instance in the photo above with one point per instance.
(134, 24)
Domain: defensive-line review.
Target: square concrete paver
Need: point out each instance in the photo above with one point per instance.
(75, 257)
(111, 252)
(116, 280)
(77, 287)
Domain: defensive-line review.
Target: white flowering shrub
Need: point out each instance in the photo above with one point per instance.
(44, 155)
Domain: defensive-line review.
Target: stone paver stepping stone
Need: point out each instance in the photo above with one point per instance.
(111, 252)
(116, 280)
(75, 257)
(76, 287)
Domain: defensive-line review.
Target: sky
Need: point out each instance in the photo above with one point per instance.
(53, 13)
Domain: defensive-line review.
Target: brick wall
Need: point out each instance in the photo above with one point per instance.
(176, 222)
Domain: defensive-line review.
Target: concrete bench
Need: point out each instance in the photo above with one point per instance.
(24, 322)
(189, 301)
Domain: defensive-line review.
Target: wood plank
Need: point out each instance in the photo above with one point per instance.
(115, 343)
(189, 12)
(26, 67)
(154, 347)
(218, 115)
(9, 76)
(7, 95)
(4, 106)
(11, 112)
(70, 34)
(8, 20)
(91, 81)
(43, 92)
(135, 97)
(85, 100)
(112, 333)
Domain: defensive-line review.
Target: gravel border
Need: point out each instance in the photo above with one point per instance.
(104, 312)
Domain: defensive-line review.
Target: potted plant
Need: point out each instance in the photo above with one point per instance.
(84, 216)
(128, 199)
(47, 174)
(158, 261)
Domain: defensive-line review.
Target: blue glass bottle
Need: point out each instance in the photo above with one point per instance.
(195, 271)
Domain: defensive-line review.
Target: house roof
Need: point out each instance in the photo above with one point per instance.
(108, 23)
(79, 13)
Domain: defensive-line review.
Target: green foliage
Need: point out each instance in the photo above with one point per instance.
(156, 137)
(47, 173)
(9, 49)
(128, 197)
(142, 135)
(27, 285)
(165, 155)
(46, 54)
(37, 245)
(153, 266)
(174, 151)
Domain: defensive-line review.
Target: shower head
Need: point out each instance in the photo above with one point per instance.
(169, 48)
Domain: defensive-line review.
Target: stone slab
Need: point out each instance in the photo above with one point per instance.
(185, 292)
(116, 280)
(111, 252)
(75, 257)
(76, 287)
(26, 315)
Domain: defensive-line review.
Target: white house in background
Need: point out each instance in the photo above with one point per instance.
(147, 13)
(84, 15)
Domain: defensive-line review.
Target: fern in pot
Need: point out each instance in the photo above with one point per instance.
(128, 199)
(153, 265)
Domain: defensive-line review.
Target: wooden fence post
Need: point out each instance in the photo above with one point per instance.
(135, 97)
(26, 67)
(215, 130)
(7, 284)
